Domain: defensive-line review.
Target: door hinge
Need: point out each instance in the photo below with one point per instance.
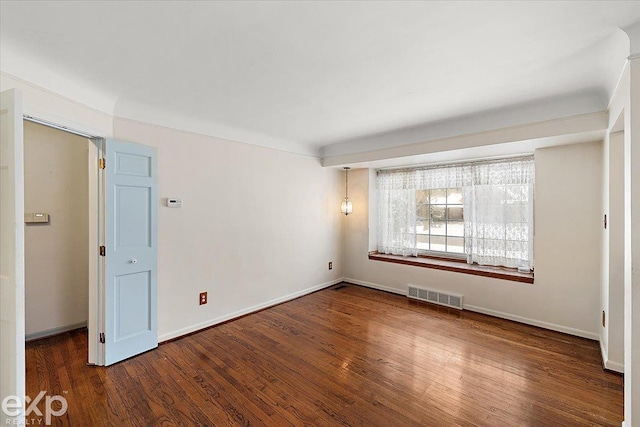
(102, 340)
(102, 163)
(605, 221)
(103, 251)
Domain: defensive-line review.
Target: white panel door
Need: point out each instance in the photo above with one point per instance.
(131, 250)
(12, 364)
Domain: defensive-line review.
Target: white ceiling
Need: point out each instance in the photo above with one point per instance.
(306, 76)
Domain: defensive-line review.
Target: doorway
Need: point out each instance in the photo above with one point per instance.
(106, 281)
(61, 232)
(56, 206)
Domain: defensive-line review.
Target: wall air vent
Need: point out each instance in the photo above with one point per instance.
(436, 297)
(413, 292)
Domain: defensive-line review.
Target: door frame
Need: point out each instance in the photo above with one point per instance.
(13, 381)
(95, 318)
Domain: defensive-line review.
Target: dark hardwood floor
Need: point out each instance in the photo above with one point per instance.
(352, 356)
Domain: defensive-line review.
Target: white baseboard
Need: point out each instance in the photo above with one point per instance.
(494, 313)
(608, 364)
(546, 325)
(189, 329)
(376, 286)
(533, 322)
(54, 331)
(614, 366)
(603, 354)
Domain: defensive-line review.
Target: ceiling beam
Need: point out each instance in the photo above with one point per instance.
(583, 123)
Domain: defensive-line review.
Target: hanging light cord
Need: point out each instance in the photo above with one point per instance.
(346, 183)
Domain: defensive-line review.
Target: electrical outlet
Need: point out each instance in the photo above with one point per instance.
(203, 298)
(330, 265)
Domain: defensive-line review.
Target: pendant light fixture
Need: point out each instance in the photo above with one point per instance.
(347, 206)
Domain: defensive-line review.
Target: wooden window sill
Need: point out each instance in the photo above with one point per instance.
(456, 266)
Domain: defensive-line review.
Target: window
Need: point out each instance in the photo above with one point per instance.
(439, 220)
(482, 211)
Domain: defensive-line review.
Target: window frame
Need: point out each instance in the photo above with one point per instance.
(432, 253)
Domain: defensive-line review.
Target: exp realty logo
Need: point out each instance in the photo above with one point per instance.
(54, 406)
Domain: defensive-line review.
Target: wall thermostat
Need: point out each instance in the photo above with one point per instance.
(40, 217)
(174, 203)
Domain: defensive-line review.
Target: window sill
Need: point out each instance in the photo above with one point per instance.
(456, 266)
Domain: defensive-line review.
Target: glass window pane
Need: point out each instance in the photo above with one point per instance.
(438, 213)
(422, 212)
(438, 196)
(438, 228)
(454, 213)
(455, 228)
(455, 244)
(454, 196)
(422, 241)
(440, 220)
(422, 227)
(438, 243)
(422, 196)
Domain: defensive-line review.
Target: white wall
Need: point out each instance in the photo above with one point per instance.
(632, 248)
(12, 351)
(44, 104)
(211, 243)
(56, 284)
(566, 292)
(258, 226)
(612, 299)
(626, 104)
(604, 255)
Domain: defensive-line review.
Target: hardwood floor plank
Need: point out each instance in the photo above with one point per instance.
(352, 357)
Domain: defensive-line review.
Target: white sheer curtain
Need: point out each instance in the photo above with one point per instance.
(498, 209)
(397, 203)
(498, 214)
(397, 234)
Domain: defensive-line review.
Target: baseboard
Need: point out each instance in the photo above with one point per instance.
(194, 328)
(533, 322)
(54, 331)
(603, 354)
(376, 286)
(614, 366)
(494, 313)
(608, 364)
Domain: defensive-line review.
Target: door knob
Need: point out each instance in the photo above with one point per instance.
(134, 261)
